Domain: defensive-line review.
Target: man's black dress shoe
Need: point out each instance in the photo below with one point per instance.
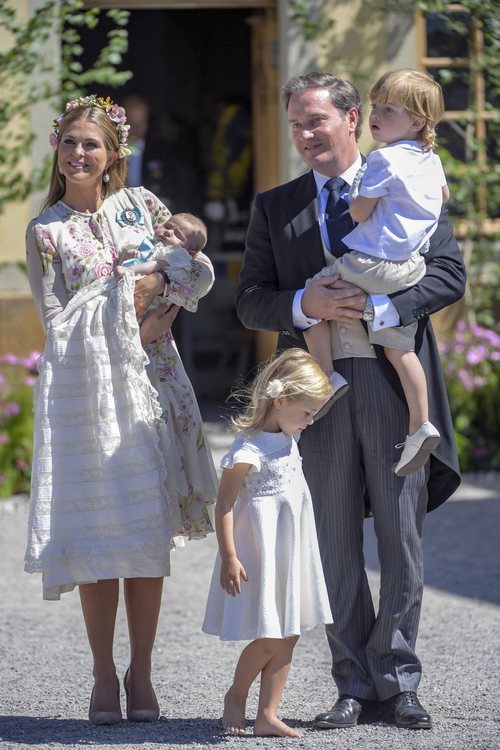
(405, 711)
(345, 713)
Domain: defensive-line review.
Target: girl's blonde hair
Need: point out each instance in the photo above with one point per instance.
(300, 377)
(418, 93)
(117, 170)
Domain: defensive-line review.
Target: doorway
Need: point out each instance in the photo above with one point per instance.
(209, 77)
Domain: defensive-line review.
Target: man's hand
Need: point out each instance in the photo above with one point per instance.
(158, 322)
(330, 298)
(146, 289)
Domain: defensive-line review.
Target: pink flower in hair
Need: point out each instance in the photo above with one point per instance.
(117, 114)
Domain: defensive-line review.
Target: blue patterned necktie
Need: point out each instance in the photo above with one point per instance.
(338, 219)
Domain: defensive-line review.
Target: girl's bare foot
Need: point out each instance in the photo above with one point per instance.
(233, 719)
(273, 727)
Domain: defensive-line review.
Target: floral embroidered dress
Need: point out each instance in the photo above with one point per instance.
(121, 464)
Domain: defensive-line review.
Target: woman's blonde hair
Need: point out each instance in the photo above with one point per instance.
(117, 170)
(294, 373)
(418, 93)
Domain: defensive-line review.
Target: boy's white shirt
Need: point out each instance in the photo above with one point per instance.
(385, 314)
(407, 183)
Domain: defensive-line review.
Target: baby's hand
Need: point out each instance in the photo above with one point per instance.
(231, 574)
(128, 252)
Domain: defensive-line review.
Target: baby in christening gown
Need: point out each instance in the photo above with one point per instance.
(171, 252)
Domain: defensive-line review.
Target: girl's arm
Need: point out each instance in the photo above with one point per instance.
(232, 571)
(361, 208)
(446, 193)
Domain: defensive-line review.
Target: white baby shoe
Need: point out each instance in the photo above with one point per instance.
(339, 387)
(416, 449)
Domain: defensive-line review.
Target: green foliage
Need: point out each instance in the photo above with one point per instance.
(300, 14)
(472, 361)
(17, 377)
(471, 364)
(42, 64)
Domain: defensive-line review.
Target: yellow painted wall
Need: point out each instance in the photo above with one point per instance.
(20, 329)
(14, 220)
(364, 43)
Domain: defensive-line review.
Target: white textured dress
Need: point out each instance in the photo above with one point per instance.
(120, 465)
(276, 542)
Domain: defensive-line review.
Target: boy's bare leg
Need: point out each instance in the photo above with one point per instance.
(422, 436)
(272, 684)
(414, 384)
(319, 344)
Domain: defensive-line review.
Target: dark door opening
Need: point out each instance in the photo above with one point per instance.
(193, 70)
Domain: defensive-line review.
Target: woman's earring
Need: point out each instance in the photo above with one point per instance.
(105, 177)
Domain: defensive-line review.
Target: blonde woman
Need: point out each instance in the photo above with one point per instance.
(120, 461)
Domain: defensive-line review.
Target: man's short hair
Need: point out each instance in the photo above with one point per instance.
(343, 95)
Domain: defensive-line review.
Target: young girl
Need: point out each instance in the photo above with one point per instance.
(399, 203)
(268, 585)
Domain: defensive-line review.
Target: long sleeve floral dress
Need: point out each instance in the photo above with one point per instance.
(121, 464)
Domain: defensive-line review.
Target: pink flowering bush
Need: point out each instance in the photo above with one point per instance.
(471, 365)
(17, 378)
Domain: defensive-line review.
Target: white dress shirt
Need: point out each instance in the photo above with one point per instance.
(385, 313)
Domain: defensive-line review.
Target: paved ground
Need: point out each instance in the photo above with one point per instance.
(45, 667)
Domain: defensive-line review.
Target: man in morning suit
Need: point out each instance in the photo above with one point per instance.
(349, 453)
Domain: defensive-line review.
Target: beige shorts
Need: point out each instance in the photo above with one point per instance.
(380, 276)
(394, 337)
(377, 275)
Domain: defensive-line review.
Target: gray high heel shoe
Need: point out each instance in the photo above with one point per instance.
(140, 714)
(105, 717)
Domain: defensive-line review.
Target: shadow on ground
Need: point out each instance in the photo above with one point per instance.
(33, 730)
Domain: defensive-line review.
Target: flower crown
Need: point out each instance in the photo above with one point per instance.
(115, 113)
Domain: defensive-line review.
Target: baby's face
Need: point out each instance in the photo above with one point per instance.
(178, 231)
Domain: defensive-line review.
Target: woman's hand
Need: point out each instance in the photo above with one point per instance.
(146, 289)
(158, 322)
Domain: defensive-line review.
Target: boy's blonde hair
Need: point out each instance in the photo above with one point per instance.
(300, 377)
(418, 93)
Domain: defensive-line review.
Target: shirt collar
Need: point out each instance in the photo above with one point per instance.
(348, 175)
